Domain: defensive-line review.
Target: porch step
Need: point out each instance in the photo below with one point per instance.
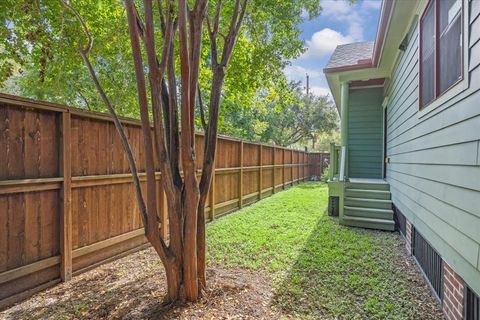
(368, 184)
(368, 203)
(367, 193)
(370, 223)
(373, 213)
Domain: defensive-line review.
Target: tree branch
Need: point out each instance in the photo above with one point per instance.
(213, 32)
(162, 16)
(235, 24)
(118, 125)
(202, 109)
(156, 79)
(153, 230)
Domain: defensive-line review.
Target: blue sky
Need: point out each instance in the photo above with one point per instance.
(340, 22)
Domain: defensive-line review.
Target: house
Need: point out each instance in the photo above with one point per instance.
(410, 140)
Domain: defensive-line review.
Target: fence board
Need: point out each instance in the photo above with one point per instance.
(66, 198)
(318, 162)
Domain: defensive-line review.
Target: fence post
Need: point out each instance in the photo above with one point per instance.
(308, 165)
(297, 169)
(212, 195)
(303, 165)
(240, 183)
(291, 167)
(260, 172)
(283, 169)
(66, 196)
(322, 158)
(273, 170)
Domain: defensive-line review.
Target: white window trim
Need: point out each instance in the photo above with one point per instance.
(460, 86)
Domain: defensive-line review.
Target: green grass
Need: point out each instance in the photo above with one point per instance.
(318, 268)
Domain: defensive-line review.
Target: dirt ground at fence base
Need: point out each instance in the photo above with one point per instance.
(133, 288)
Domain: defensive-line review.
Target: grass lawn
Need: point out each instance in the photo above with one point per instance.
(282, 257)
(319, 268)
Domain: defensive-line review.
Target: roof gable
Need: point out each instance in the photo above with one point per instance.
(352, 54)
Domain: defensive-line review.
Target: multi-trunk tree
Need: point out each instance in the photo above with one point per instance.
(172, 141)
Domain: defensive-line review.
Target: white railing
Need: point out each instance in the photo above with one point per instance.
(342, 163)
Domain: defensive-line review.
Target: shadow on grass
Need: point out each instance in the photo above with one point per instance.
(352, 273)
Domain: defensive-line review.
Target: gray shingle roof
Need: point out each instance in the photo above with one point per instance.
(350, 54)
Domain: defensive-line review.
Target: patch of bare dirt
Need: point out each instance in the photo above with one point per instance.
(133, 288)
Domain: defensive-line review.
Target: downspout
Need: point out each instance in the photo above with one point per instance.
(344, 130)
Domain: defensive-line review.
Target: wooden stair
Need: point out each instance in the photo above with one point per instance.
(368, 204)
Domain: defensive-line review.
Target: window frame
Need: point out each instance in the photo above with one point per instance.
(448, 93)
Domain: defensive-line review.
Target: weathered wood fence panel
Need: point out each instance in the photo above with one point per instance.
(66, 197)
(318, 162)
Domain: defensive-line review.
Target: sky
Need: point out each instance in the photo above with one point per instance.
(340, 22)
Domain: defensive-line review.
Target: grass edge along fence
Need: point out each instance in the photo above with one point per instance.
(66, 197)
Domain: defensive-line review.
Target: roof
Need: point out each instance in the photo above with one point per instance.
(366, 61)
(352, 54)
(362, 55)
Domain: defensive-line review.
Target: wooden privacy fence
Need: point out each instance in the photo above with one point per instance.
(318, 162)
(66, 197)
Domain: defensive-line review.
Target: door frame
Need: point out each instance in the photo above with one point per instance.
(386, 160)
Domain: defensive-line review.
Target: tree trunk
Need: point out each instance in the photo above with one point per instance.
(184, 256)
(190, 247)
(174, 281)
(201, 248)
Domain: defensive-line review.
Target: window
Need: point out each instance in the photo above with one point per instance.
(441, 48)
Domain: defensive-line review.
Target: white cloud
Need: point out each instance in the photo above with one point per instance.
(317, 78)
(294, 72)
(335, 7)
(320, 91)
(325, 41)
(371, 4)
(346, 13)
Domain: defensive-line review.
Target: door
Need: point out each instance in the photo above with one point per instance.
(365, 133)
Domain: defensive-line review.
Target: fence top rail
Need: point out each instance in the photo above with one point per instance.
(55, 107)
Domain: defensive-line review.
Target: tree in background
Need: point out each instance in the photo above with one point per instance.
(286, 116)
(301, 121)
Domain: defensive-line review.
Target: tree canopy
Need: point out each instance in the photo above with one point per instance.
(39, 59)
(286, 116)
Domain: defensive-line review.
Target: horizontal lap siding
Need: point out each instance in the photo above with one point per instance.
(365, 133)
(434, 168)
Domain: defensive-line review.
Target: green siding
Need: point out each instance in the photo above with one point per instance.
(434, 169)
(365, 132)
